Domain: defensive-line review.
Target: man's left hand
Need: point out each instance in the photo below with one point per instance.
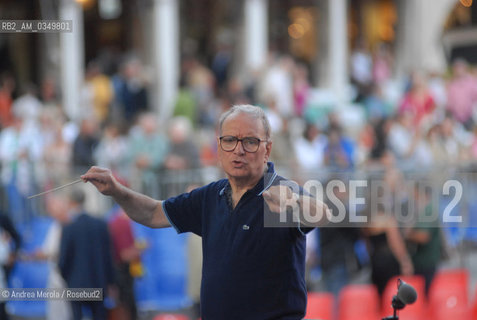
(280, 197)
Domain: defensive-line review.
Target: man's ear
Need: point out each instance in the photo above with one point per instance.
(268, 147)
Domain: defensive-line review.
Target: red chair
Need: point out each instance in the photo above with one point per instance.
(449, 295)
(415, 311)
(171, 316)
(320, 306)
(460, 313)
(474, 306)
(358, 302)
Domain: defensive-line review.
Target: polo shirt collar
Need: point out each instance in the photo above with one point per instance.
(270, 175)
(270, 172)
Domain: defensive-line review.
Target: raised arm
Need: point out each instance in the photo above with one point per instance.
(138, 207)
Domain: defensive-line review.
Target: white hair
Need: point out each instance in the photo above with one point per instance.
(255, 112)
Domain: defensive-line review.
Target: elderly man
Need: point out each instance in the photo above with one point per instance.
(249, 271)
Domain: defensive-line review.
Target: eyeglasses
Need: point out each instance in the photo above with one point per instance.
(249, 144)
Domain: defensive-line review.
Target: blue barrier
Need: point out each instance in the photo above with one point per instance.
(28, 275)
(163, 285)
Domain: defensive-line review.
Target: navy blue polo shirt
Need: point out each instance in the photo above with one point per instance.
(249, 271)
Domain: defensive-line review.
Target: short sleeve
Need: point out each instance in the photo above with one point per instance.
(184, 211)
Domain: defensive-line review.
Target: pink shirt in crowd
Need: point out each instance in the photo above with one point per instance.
(461, 97)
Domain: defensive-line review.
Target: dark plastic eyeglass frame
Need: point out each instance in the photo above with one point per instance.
(241, 140)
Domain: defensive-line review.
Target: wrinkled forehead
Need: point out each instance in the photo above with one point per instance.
(243, 124)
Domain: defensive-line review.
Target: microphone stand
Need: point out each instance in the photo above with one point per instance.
(397, 305)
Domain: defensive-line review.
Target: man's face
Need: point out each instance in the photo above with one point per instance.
(57, 208)
(239, 163)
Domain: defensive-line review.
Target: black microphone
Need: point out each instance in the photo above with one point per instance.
(406, 293)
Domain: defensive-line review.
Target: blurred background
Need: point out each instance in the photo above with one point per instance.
(380, 90)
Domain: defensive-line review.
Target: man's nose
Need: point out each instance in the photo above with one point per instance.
(239, 148)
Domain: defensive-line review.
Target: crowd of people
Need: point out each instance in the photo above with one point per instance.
(423, 121)
(419, 123)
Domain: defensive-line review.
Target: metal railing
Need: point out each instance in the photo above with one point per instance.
(455, 184)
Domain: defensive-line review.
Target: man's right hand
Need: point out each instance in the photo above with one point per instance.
(139, 207)
(102, 179)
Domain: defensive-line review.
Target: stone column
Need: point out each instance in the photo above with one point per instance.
(72, 59)
(338, 49)
(256, 33)
(419, 45)
(165, 43)
(331, 69)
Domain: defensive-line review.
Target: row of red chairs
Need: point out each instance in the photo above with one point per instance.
(448, 299)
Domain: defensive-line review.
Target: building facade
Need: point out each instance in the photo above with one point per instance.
(320, 33)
